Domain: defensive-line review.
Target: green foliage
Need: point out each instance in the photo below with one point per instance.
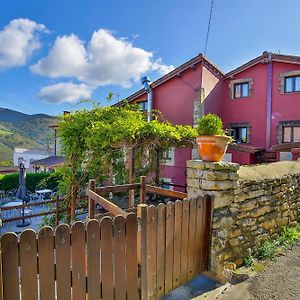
(33, 181)
(210, 124)
(249, 261)
(289, 236)
(96, 143)
(267, 250)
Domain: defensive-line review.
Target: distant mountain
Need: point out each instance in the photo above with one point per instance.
(18, 129)
(9, 115)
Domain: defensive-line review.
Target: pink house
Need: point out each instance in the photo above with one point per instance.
(259, 103)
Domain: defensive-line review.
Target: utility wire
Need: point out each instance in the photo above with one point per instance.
(208, 27)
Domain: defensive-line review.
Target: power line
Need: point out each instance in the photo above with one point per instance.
(208, 27)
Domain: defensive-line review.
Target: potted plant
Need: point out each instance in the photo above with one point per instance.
(212, 139)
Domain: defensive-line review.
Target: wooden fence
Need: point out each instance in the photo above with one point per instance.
(175, 244)
(95, 262)
(171, 243)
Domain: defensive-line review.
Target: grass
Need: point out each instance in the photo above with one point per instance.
(268, 250)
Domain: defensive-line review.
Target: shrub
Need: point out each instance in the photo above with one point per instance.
(210, 124)
(289, 236)
(33, 180)
(267, 250)
(249, 261)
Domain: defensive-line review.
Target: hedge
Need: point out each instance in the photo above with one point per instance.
(33, 181)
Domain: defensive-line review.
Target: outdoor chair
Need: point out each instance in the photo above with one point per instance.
(12, 193)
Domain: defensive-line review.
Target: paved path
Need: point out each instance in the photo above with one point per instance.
(280, 281)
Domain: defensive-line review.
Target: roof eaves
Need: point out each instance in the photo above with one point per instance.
(183, 67)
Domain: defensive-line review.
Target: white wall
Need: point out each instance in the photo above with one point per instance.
(29, 155)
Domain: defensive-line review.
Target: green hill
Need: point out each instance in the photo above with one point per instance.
(22, 130)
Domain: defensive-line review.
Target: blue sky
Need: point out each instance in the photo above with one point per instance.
(57, 51)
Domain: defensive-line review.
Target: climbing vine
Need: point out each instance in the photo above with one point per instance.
(96, 143)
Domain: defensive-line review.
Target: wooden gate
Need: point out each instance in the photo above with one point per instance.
(95, 262)
(100, 260)
(175, 244)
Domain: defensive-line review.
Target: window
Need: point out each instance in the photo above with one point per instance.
(292, 84)
(290, 134)
(241, 90)
(240, 134)
(169, 157)
(143, 105)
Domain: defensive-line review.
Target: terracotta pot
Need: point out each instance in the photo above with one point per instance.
(212, 147)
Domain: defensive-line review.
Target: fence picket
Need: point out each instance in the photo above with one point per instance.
(131, 257)
(177, 243)
(161, 242)
(63, 266)
(152, 230)
(106, 259)
(46, 264)
(10, 258)
(93, 260)
(191, 243)
(28, 265)
(184, 240)
(120, 258)
(200, 219)
(78, 261)
(169, 247)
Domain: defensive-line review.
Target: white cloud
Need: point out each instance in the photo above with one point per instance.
(65, 92)
(105, 60)
(18, 40)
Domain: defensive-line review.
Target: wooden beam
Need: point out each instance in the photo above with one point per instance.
(163, 192)
(111, 207)
(117, 188)
(91, 204)
(27, 205)
(143, 192)
(285, 146)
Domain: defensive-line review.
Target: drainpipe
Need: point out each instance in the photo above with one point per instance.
(269, 102)
(146, 83)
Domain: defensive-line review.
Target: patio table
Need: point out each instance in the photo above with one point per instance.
(41, 193)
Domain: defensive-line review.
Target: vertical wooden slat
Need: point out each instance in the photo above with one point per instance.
(46, 264)
(63, 263)
(78, 261)
(131, 257)
(184, 240)
(199, 235)
(120, 258)
(208, 204)
(191, 243)
(177, 243)
(152, 229)
(143, 191)
(28, 265)
(93, 260)
(91, 204)
(161, 250)
(1, 277)
(143, 215)
(106, 259)
(169, 247)
(10, 259)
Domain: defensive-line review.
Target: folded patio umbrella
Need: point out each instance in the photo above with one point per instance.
(22, 192)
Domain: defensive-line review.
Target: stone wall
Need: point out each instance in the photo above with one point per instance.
(246, 212)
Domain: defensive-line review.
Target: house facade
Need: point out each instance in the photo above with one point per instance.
(259, 103)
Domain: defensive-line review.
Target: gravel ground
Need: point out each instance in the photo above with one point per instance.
(281, 280)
